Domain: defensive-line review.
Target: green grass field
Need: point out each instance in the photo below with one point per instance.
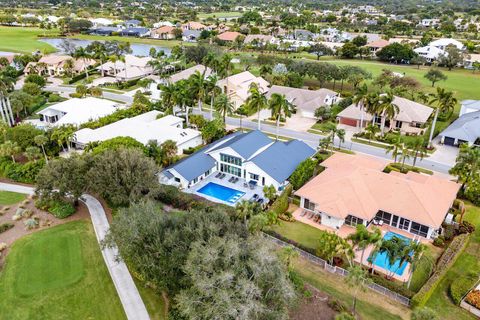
(58, 273)
(24, 40)
(220, 15)
(468, 264)
(157, 42)
(8, 198)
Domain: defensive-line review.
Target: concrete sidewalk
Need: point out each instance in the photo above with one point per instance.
(127, 291)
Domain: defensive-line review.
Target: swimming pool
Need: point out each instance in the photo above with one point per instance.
(381, 260)
(221, 192)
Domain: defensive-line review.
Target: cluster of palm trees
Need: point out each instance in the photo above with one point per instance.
(278, 104)
(383, 105)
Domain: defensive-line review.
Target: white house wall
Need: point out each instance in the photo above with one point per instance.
(192, 143)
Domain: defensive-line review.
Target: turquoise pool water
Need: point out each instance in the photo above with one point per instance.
(381, 259)
(221, 192)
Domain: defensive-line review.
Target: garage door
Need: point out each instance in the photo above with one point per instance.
(348, 122)
(449, 141)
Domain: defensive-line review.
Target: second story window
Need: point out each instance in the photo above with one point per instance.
(230, 159)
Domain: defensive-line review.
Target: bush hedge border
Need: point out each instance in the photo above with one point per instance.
(447, 259)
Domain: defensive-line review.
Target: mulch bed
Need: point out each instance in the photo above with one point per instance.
(314, 308)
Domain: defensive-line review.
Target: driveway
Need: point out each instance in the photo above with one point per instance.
(127, 291)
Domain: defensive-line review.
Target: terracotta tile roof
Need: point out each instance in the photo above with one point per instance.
(229, 36)
(356, 185)
(378, 44)
(163, 30)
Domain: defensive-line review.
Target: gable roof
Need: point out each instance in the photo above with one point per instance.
(185, 74)
(308, 100)
(229, 35)
(465, 128)
(378, 44)
(355, 185)
(409, 111)
(246, 144)
(280, 159)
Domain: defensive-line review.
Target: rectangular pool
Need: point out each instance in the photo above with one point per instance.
(221, 192)
(381, 259)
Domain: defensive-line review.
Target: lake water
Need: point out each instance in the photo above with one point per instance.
(138, 49)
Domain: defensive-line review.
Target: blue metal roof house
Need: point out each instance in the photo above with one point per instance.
(252, 156)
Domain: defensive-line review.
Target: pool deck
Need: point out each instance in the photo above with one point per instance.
(224, 182)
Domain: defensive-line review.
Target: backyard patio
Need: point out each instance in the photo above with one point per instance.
(235, 188)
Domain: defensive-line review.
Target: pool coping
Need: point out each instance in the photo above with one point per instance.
(218, 199)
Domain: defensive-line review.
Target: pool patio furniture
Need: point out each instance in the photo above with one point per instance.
(218, 175)
(231, 179)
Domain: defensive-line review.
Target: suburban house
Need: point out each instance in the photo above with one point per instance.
(443, 43)
(133, 68)
(191, 35)
(430, 53)
(377, 45)
(74, 112)
(470, 59)
(429, 22)
(135, 32)
(56, 65)
(353, 189)
(237, 86)
(228, 36)
(466, 129)
(163, 23)
(133, 23)
(306, 101)
(163, 32)
(411, 118)
(187, 73)
(252, 157)
(259, 39)
(143, 128)
(193, 25)
(104, 31)
(101, 22)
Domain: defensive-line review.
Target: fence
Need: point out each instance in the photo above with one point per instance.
(340, 271)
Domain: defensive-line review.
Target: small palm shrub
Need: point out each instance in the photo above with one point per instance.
(31, 223)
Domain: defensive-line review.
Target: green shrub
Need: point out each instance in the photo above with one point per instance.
(54, 98)
(26, 173)
(397, 287)
(280, 206)
(116, 116)
(61, 209)
(6, 226)
(337, 305)
(303, 173)
(75, 95)
(439, 242)
(344, 316)
(446, 260)
(460, 287)
(465, 227)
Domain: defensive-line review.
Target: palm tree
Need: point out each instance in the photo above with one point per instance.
(387, 109)
(445, 102)
(256, 101)
(68, 67)
(242, 112)
(41, 140)
(280, 107)
(395, 148)
(288, 254)
(404, 155)
(397, 250)
(198, 87)
(32, 153)
(168, 97)
(223, 106)
(358, 280)
(467, 164)
(124, 48)
(417, 146)
(212, 89)
(81, 53)
(371, 130)
(113, 59)
(341, 137)
(416, 251)
(376, 240)
(360, 99)
(244, 210)
(360, 239)
(183, 98)
(10, 149)
(98, 51)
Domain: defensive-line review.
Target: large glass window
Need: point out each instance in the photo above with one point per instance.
(308, 205)
(254, 176)
(353, 221)
(419, 229)
(230, 169)
(384, 216)
(230, 159)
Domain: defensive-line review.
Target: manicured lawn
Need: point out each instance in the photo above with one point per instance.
(8, 198)
(24, 40)
(370, 305)
(58, 273)
(153, 301)
(467, 264)
(157, 42)
(299, 232)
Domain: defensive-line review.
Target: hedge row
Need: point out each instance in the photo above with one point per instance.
(460, 287)
(392, 285)
(446, 260)
(280, 205)
(26, 173)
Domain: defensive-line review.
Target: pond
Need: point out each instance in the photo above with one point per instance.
(138, 49)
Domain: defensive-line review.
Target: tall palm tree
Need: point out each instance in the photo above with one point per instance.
(223, 106)
(41, 140)
(371, 130)
(395, 148)
(168, 97)
(82, 54)
(198, 87)
(256, 101)
(397, 250)
(360, 100)
(280, 107)
(417, 146)
(212, 89)
(114, 58)
(98, 50)
(10, 149)
(387, 108)
(445, 102)
(183, 98)
(404, 155)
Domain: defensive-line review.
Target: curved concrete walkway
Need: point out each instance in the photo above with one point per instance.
(127, 291)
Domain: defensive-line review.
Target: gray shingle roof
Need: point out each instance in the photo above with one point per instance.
(248, 143)
(465, 128)
(281, 158)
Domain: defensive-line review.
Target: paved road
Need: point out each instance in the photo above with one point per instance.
(313, 140)
(127, 291)
(107, 95)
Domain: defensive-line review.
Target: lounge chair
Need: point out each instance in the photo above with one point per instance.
(236, 179)
(260, 200)
(218, 175)
(255, 196)
(231, 179)
(222, 176)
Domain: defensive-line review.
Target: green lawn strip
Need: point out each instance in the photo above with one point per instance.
(467, 264)
(370, 143)
(57, 272)
(424, 267)
(153, 301)
(370, 305)
(8, 198)
(157, 42)
(24, 39)
(300, 232)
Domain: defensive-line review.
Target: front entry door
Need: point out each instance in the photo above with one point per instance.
(404, 224)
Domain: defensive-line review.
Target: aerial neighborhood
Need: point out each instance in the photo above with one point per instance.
(238, 160)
